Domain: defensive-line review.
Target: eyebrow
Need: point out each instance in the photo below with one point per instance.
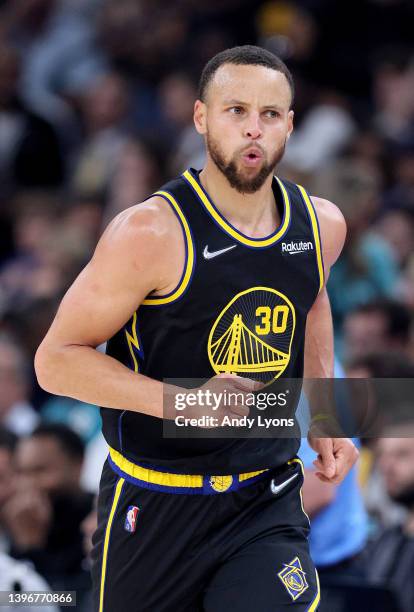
(235, 102)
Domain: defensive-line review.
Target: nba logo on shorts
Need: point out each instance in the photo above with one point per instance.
(131, 519)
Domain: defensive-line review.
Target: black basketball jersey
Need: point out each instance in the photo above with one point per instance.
(240, 306)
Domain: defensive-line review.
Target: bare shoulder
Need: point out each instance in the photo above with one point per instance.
(141, 231)
(150, 221)
(142, 245)
(332, 228)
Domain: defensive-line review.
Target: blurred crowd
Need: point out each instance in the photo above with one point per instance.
(96, 100)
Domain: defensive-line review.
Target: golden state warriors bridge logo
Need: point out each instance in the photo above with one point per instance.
(253, 335)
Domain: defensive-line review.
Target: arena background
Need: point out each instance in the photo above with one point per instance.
(96, 100)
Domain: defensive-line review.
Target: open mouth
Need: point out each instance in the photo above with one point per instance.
(252, 158)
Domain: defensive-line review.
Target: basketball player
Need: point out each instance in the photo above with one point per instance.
(230, 249)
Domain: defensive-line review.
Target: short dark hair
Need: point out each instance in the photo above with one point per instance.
(70, 442)
(247, 55)
(397, 315)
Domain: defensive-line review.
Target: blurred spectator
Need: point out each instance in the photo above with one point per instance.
(56, 40)
(393, 94)
(85, 420)
(16, 576)
(376, 327)
(118, 24)
(28, 325)
(386, 364)
(366, 269)
(88, 527)
(185, 146)
(34, 269)
(323, 133)
(391, 366)
(397, 228)
(8, 443)
(390, 557)
(135, 177)
(29, 150)
(401, 194)
(16, 412)
(104, 106)
(44, 515)
(288, 30)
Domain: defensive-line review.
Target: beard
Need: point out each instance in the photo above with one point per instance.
(239, 182)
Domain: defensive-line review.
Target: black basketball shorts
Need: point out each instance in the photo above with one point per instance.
(205, 543)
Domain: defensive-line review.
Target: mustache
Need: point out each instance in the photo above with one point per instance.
(251, 146)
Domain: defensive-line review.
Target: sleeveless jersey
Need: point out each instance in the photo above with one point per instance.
(240, 306)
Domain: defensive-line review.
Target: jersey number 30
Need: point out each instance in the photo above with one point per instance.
(271, 319)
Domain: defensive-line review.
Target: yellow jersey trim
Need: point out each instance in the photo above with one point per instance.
(133, 341)
(316, 234)
(166, 479)
(117, 495)
(232, 231)
(316, 601)
(297, 460)
(189, 263)
(248, 475)
(153, 476)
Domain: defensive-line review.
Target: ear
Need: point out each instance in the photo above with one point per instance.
(290, 122)
(200, 117)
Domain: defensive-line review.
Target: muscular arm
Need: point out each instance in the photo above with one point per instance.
(141, 251)
(335, 455)
(319, 353)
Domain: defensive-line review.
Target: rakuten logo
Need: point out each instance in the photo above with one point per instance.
(296, 247)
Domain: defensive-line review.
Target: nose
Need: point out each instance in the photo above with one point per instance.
(253, 129)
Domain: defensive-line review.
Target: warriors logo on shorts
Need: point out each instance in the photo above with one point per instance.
(294, 578)
(221, 483)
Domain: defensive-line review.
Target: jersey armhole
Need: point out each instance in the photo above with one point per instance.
(189, 262)
(313, 219)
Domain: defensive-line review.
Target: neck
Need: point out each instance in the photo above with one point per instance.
(253, 214)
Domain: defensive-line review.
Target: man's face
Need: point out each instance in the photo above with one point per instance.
(396, 461)
(245, 121)
(42, 464)
(364, 333)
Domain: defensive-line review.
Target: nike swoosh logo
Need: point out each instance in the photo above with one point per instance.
(210, 254)
(277, 488)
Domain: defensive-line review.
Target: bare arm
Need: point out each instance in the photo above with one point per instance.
(317, 495)
(319, 349)
(335, 455)
(129, 262)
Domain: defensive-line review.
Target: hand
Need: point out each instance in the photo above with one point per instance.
(27, 517)
(232, 384)
(223, 395)
(336, 456)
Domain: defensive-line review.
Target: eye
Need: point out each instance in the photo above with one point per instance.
(236, 110)
(272, 114)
